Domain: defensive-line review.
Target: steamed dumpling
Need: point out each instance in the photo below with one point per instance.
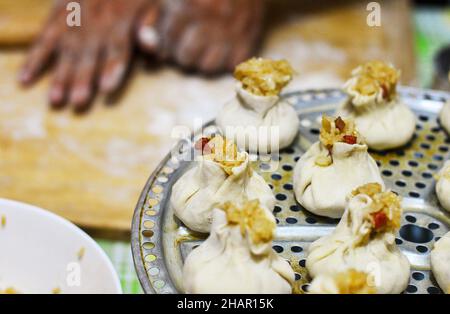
(348, 282)
(332, 168)
(221, 174)
(238, 257)
(444, 117)
(364, 240)
(443, 186)
(380, 114)
(257, 118)
(440, 262)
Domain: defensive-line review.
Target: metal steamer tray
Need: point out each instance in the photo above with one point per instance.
(160, 242)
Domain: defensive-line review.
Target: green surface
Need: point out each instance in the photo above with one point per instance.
(432, 32)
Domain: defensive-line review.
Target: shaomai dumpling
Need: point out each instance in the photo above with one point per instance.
(238, 257)
(221, 174)
(348, 282)
(379, 112)
(364, 240)
(444, 116)
(443, 186)
(333, 167)
(257, 118)
(440, 262)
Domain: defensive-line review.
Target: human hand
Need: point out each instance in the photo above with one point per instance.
(97, 53)
(205, 35)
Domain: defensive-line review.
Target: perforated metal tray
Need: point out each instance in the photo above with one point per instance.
(160, 242)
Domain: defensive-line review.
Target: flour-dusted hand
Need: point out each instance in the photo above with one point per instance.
(97, 52)
(205, 35)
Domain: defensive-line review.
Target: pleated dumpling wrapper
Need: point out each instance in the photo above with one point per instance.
(348, 282)
(257, 118)
(333, 167)
(364, 240)
(443, 186)
(220, 174)
(237, 257)
(379, 112)
(444, 116)
(440, 262)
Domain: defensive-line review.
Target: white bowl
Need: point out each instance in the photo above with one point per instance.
(44, 253)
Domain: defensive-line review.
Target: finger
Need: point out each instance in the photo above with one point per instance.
(192, 46)
(39, 55)
(61, 79)
(176, 20)
(214, 59)
(148, 37)
(81, 90)
(117, 57)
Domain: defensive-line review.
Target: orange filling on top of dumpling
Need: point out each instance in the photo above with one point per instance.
(264, 77)
(221, 151)
(375, 75)
(386, 211)
(353, 282)
(335, 130)
(252, 219)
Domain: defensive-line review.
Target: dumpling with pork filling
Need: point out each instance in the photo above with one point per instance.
(220, 174)
(257, 118)
(237, 257)
(333, 167)
(364, 240)
(380, 115)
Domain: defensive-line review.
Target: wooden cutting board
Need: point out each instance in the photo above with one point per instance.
(91, 168)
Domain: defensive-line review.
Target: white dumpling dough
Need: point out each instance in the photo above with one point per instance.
(443, 186)
(385, 124)
(352, 246)
(258, 123)
(231, 262)
(440, 262)
(206, 185)
(444, 117)
(323, 190)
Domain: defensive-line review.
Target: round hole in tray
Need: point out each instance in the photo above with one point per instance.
(414, 194)
(394, 162)
(277, 209)
(427, 175)
(416, 234)
(302, 263)
(297, 277)
(407, 173)
(438, 157)
(314, 131)
(276, 176)
(433, 226)
(418, 276)
(401, 184)
(432, 167)
(398, 241)
(443, 149)
(288, 187)
(278, 249)
(287, 167)
(311, 220)
(436, 129)
(420, 185)
(295, 208)
(387, 173)
(433, 290)
(425, 146)
(421, 249)
(423, 118)
(413, 163)
(411, 289)
(410, 218)
(418, 155)
(281, 197)
(291, 220)
(296, 249)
